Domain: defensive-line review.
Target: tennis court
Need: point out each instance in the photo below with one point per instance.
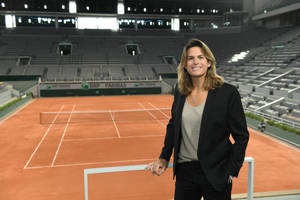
(46, 146)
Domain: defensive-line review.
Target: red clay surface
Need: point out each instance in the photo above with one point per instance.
(46, 162)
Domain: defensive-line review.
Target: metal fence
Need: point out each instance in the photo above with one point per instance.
(249, 160)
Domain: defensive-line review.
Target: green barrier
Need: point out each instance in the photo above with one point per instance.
(10, 107)
(168, 75)
(19, 77)
(98, 92)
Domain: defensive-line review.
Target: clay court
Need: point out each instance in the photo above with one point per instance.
(45, 161)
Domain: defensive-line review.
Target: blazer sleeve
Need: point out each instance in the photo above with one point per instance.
(167, 149)
(238, 128)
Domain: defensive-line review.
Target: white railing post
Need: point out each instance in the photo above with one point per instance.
(250, 161)
(86, 197)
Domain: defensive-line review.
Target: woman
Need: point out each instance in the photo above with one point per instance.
(205, 112)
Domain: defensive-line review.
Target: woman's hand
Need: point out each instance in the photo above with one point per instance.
(157, 167)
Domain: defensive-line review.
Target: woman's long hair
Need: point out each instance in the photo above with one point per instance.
(212, 80)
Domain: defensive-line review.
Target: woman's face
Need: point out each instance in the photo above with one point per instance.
(197, 64)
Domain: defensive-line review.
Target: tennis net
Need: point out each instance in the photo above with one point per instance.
(105, 115)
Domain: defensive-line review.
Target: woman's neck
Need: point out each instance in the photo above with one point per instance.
(198, 84)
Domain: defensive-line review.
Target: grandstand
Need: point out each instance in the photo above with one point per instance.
(271, 67)
(268, 79)
(44, 51)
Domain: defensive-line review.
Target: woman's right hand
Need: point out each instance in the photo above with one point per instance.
(157, 167)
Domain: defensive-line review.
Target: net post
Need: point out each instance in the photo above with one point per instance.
(40, 117)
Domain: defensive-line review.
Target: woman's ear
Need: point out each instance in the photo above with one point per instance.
(209, 62)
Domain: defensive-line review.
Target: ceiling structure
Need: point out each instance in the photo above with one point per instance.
(131, 6)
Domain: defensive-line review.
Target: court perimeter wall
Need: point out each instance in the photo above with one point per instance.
(98, 88)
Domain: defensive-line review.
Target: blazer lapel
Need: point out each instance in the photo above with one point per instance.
(179, 110)
(209, 105)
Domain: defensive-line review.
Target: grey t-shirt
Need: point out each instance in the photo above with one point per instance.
(190, 127)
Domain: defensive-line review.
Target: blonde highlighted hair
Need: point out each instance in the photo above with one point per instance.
(212, 80)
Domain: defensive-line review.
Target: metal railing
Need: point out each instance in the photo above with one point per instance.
(274, 118)
(129, 168)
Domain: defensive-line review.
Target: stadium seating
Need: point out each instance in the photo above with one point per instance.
(269, 72)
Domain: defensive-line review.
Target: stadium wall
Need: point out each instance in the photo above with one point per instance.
(98, 88)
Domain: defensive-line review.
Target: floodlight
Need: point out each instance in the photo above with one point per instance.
(121, 8)
(72, 7)
(10, 21)
(175, 24)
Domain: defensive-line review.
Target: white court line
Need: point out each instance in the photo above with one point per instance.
(163, 125)
(62, 137)
(167, 116)
(110, 138)
(92, 163)
(278, 139)
(44, 136)
(9, 115)
(118, 132)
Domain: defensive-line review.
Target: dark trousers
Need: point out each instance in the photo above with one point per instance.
(191, 184)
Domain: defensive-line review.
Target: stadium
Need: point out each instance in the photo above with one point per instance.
(86, 91)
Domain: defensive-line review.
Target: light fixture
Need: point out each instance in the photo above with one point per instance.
(63, 7)
(121, 8)
(10, 21)
(3, 5)
(45, 7)
(87, 8)
(72, 7)
(180, 10)
(25, 5)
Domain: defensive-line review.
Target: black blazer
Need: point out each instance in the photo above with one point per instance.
(222, 115)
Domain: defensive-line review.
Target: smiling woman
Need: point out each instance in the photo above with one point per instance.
(197, 64)
(206, 112)
(205, 58)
